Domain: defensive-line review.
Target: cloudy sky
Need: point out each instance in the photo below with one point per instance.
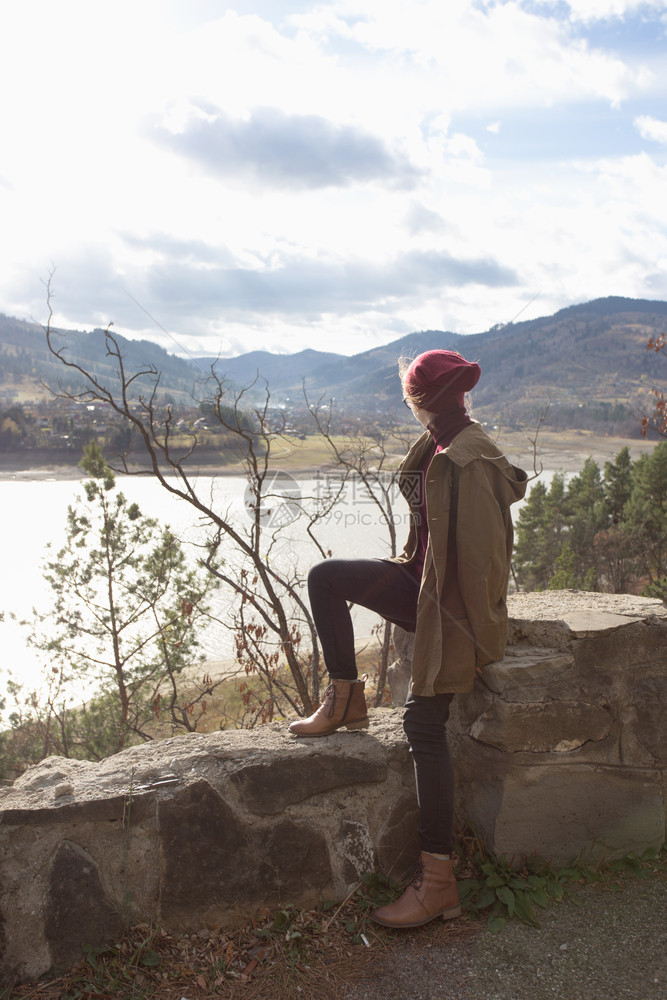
(281, 174)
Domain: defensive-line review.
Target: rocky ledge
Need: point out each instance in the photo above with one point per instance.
(560, 750)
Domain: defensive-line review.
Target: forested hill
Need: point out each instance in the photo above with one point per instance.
(25, 360)
(588, 362)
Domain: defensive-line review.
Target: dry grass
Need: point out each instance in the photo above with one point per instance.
(225, 707)
(283, 955)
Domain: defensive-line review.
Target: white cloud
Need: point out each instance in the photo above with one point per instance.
(652, 128)
(500, 54)
(599, 10)
(310, 163)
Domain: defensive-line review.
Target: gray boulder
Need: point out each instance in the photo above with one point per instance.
(560, 750)
(196, 831)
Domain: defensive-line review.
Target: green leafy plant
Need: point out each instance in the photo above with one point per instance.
(285, 926)
(508, 890)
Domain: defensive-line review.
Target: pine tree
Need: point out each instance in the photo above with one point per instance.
(618, 485)
(539, 534)
(586, 515)
(598, 533)
(646, 518)
(124, 620)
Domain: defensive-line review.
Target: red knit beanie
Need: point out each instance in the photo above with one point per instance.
(438, 379)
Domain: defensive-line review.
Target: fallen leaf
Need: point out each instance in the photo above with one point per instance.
(249, 969)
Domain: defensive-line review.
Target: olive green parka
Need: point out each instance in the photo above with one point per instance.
(461, 612)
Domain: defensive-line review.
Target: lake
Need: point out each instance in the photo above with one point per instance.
(33, 529)
(34, 517)
(34, 513)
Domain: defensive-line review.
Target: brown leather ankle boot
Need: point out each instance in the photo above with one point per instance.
(344, 704)
(432, 893)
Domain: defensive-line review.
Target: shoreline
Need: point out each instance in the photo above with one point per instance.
(57, 473)
(565, 451)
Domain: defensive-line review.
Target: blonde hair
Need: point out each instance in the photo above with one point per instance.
(404, 363)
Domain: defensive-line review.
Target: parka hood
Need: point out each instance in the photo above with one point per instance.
(473, 444)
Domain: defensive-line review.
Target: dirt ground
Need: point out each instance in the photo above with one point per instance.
(610, 945)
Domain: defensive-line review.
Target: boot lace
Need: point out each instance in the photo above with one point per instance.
(418, 876)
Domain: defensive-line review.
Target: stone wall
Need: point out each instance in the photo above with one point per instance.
(567, 735)
(195, 831)
(560, 750)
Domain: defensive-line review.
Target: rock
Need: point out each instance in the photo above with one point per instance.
(555, 726)
(398, 841)
(527, 673)
(559, 751)
(356, 848)
(551, 618)
(588, 812)
(196, 831)
(208, 854)
(272, 785)
(78, 911)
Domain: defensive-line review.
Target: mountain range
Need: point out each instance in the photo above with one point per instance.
(588, 362)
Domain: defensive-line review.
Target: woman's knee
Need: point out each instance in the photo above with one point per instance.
(321, 574)
(328, 574)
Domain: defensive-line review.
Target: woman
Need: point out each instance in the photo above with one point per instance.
(448, 587)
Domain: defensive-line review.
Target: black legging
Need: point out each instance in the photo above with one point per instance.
(390, 590)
